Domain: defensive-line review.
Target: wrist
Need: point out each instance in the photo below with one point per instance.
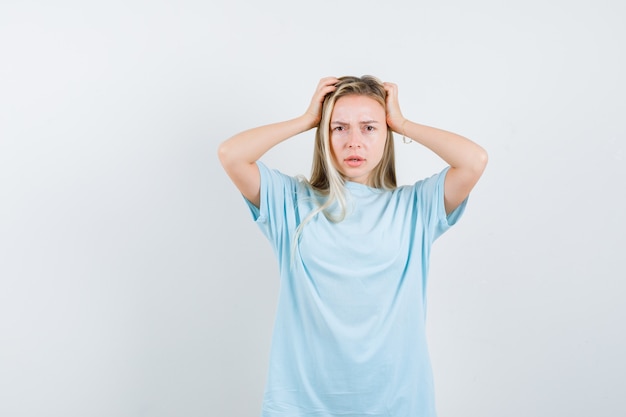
(403, 127)
(309, 120)
(397, 124)
(405, 139)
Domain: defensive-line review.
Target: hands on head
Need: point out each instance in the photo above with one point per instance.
(324, 87)
(327, 85)
(395, 119)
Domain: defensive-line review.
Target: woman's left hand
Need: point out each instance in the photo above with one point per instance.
(395, 119)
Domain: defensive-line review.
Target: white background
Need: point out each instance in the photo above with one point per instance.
(133, 281)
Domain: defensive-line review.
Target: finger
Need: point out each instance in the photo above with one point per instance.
(326, 90)
(390, 86)
(391, 92)
(326, 81)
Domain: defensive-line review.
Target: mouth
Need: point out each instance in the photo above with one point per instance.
(354, 161)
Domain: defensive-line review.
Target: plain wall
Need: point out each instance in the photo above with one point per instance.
(133, 281)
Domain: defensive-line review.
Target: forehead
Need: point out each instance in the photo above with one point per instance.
(357, 107)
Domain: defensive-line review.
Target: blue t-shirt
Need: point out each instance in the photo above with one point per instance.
(349, 335)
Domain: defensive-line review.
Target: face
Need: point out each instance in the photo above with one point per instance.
(358, 131)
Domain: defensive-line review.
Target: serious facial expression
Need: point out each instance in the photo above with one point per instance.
(358, 131)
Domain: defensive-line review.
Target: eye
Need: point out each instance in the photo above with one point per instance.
(370, 128)
(338, 129)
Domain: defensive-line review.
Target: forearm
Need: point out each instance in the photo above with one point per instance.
(456, 150)
(248, 146)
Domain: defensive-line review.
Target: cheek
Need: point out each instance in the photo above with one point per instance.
(334, 148)
(380, 147)
(336, 144)
(380, 141)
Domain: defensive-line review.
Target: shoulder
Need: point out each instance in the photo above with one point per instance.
(273, 174)
(433, 184)
(272, 178)
(433, 180)
(423, 191)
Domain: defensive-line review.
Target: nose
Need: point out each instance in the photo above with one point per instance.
(354, 141)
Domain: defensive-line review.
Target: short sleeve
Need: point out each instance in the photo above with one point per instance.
(430, 200)
(277, 203)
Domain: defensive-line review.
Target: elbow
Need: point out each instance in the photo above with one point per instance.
(476, 167)
(476, 163)
(231, 156)
(224, 153)
(481, 160)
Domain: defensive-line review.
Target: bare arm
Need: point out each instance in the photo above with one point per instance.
(467, 159)
(239, 154)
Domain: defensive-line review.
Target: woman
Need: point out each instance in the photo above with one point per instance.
(353, 250)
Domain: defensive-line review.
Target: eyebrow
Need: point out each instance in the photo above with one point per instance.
(365, 122)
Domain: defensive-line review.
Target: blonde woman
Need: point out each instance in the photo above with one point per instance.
(353, 251)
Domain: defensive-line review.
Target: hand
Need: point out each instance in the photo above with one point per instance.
(324, 87)
(395, 119)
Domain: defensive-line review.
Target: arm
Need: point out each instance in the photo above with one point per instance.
(467, 159)
(239, 154)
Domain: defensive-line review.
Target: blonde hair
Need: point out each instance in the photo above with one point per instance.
(325, 179)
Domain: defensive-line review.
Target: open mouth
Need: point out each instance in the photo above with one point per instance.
(354, 161)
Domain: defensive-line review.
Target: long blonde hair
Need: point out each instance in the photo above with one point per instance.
(325, 179)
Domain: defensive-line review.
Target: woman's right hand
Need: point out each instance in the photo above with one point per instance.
(324, 87)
